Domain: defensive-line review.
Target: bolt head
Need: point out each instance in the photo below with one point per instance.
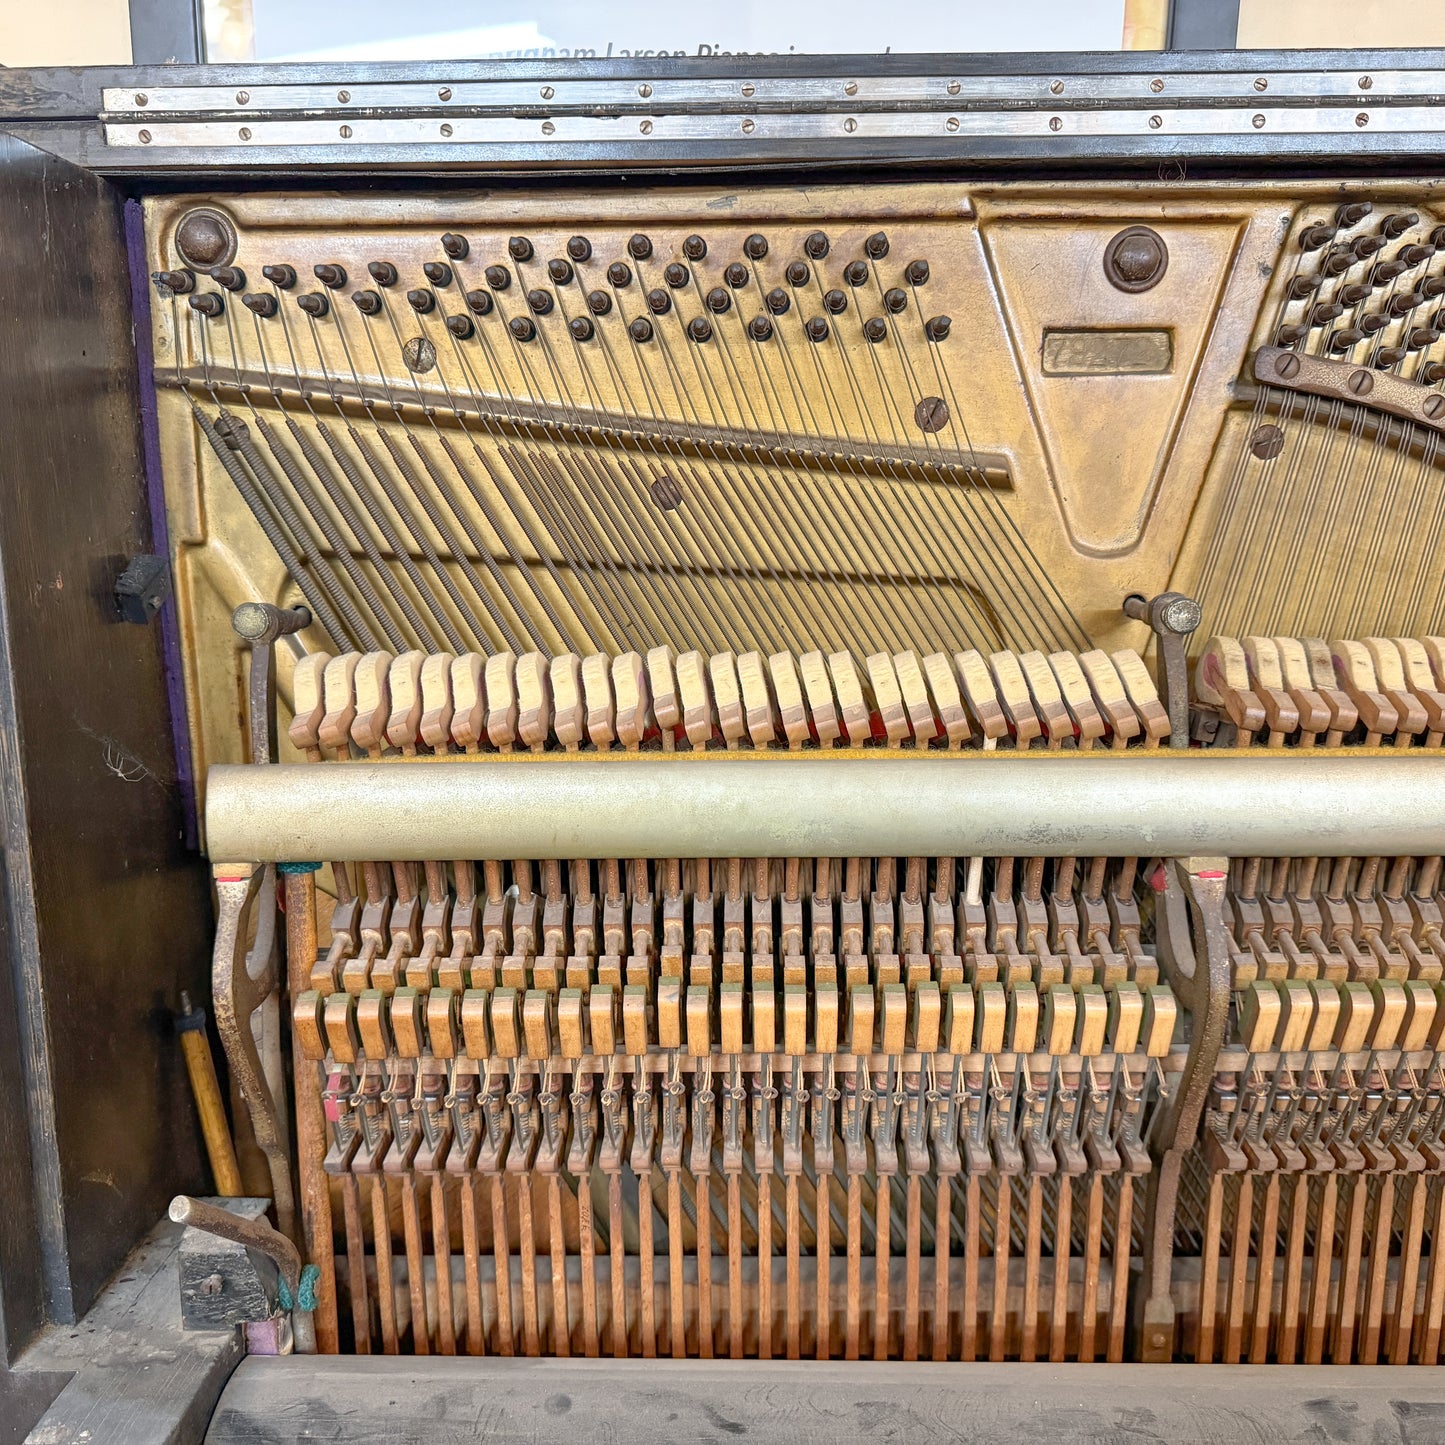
(644, 90)
(850, 125)
(749, 126)
(1181, 614)
(1156, 85)
(748, 88)
(1155, 121)
(851, 88)
(1056, 87)
(1362, 119)
(1257, 121)
(445, 93)
(243, 97)
(548, 92)
(142, 98)
(1056, 122)
(951, 123)
(1366, 82)
(446, 129)
(145, 137)
(954, 87)
(646, 127)
(1261, 83)
(343, 96)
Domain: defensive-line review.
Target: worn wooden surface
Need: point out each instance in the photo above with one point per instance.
(139, 1377)
(106, 914)
(272, 1402)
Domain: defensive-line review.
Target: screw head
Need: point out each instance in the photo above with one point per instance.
(1433, 406)
(244, 132)
(748, 88)
(1362, 119)
(547, 92)
(644, 90)
(212, 1284)
(850, 88)
(445, 93)
(1367, 82)
(346, 132)
(749, 126)
(850, 125)
(141, 98)
(1261, 83)
(1056, 122)
(646, 127)
(1155, 121)
(243, 97)
(547, 127)
(1257, 121)
(1286, 366)
(1361, 382)
(343, 96)
(1056, 87)
(446, 129)
(1182, 615)
(145, 137)
(951, 123)
(954, 87)
(1156, 85)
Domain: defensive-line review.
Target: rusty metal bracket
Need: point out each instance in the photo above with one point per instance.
(1350, 381)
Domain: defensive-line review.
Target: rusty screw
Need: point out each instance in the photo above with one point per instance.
(931, 414)
(212, 1284)
(1362, 119)
(1434, 406)
(1156, 85)
(1287, 366)
(1366, 83)
(1056, 122)
(1360, 382)
(142, 98)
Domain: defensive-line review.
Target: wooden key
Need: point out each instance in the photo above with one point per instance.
(1259, 1012)
(958, 1021)
(1012, 690)
(569, 709)
(308, 1025)
(788, 689)
(825, 1018)
(666, 700)
(1126, 1017)
(506, 1017)
(699, 1020)
(1161, 1014)
(469, 702)
(343, 1037)
(925, 1020)
(1111, 696)
(916, 703)
(1048, 698)
(852, 702)
(1326, 1015)
(695, 694)
(1061, 1016)
(1297, 1013)
(1088, 721)
(727, 696)
(534, 700)
(1143, 694)
(477, 1023)
(818, 690)
(1343, 712)
(1421, 1006)
(1357, 1016)
(339, 702)
(991, 1018)
(436, 701)
(1221, 679)
(1392, 682)
(442, 1020)
(403, 723)
(1390, 1009)
(1266, 677)
(947, 699)
(308, 703)
(537, 1025)
(730, 1018)
(631, 699)
(602, 1018)
(1420, 680)
(408, 1030)
(373, 1024)
(887, 697)
(762, 722)
(1023, 1018)
(500, 677)
(1355, 673)
(1092, 1030)
(373, 702)
(1294, 666)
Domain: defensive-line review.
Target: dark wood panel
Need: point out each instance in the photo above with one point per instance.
(107, 912)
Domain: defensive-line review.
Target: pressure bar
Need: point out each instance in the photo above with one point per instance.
(1155, 804)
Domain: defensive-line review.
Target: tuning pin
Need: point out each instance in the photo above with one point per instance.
(331, 276)
(700, 329)
(1345, 338)
(1352, 213)
(1363, 247)
(367, 302)
(1410, 255)
(579, 248)
(659, 302)
(1383, 272)
(1352, 294)
(1325, 312)
(875, 329)
(421, 300)
(1336, 263)
(461, 326)
(895, 299)
(856, 273)
(263, 304)
(877, 245)
(498, 277)
(917, 273)
(755, 247)
(836, 301)
(581, 328)
(178, 283)
(736, 275)
(208, 303)
(1303, 287)
(1431, 374)
(1313, 237)
(231, 277)
(314, 303)
(760, 328)
(640, 329)
(1388, 356)
(718, 300)
(694, 248)
(519, 248)
(676, 274)
(437, 272)
(522, 328)
(455, 246)
(778, 301)
(619, 274)
(817, 329)
(1398, 223)
(599, 303)
(283, 278)
(540, 300)
(938, 327)
(560, 271)
(1403, 303)
(639, 247)
(798, 273)
(816, 244)
(1373, 323)
(1419, 337)
(480, 301)
(382, 272)
(1432, 286)
(1291, 335)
